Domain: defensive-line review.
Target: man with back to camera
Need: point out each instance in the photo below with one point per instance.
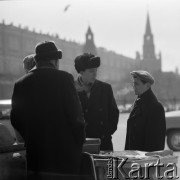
(99, 106)
(47, 113)
(146, 126)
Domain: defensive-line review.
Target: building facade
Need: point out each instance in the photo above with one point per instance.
(17, 42)
(113, 66)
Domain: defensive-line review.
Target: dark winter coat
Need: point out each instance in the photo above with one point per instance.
(100, 112)
(47, 113)
(146, 126)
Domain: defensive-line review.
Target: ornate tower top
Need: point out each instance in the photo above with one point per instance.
(150, 61)
(89, 34)
(148, 47)
(148, 27)
(89, 46)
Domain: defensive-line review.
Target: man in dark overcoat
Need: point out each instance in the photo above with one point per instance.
(47, 113)
(146, 126)
(99, 106)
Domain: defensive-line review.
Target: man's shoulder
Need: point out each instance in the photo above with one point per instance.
(156, 106)
(64, 77)
(103, 84)
(21, 79)
(64, 73)
(53, 72)
(159, 105)
(58, 74)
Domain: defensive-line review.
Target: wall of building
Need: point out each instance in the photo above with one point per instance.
(18, 42)
(114, 66)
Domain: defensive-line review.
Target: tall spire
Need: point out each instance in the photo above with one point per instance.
(148, 27)
(150, 61)
(148, 47)
(89, 30)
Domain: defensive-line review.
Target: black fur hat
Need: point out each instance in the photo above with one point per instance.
(86, 61)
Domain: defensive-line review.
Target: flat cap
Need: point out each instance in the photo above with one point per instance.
(143, 75)
(86, 61)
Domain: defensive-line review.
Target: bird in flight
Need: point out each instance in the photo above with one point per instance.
(66, 7)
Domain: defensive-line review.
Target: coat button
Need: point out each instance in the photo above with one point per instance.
(101, 122)
(102, 136)
(86, 110)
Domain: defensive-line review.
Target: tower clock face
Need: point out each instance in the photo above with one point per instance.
(89, 36)
(148, 38)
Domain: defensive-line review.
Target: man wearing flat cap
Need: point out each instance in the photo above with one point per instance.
(99, 106)
(47, 113)
(146, 126)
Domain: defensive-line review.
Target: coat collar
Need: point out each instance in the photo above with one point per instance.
(147, 96)
(80, 86)
(95, 93)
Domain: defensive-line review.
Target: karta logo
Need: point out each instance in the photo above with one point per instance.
(120, 168)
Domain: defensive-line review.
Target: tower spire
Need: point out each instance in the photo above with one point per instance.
(89, 46)
(150, 61)
(148, 47)
(148, 26)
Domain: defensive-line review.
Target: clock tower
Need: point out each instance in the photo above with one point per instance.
(148, 47)
(150, 61)
(89, 46)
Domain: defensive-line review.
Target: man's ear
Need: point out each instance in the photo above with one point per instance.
(148, 85)
(57, 64)
(81, 72)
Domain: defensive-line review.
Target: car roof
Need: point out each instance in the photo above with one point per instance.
(173, 114)
(5, 102)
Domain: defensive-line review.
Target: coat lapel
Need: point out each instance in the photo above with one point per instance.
(95, 94)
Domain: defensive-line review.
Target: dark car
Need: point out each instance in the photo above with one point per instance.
(173, 130)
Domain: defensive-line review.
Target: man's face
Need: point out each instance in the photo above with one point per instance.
(139, 86)
(89, 75)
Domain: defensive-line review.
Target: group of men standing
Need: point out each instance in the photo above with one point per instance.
(54, 114)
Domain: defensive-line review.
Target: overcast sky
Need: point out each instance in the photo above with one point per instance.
(118, 25)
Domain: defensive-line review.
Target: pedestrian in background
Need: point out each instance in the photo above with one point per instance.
(47, 113)
(146, 126)
(29, 63)
(99, 106)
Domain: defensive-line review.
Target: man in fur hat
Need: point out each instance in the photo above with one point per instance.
(146, 126)
(47, 113)
(99, 106)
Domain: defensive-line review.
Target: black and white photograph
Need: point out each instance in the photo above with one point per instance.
(89, 89)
